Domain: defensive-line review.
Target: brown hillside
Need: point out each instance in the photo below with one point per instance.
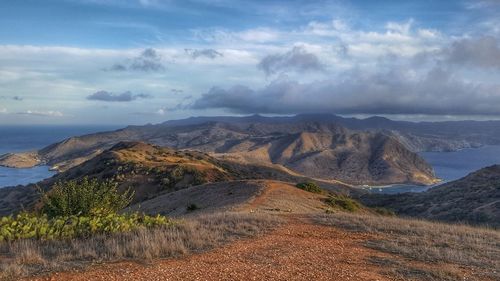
(254, 195)
(314, 149)
(473, 199)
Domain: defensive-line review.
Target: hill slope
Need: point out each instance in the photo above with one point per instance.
(473, 199)
(250, 195)
(316, 149)
(150, 171)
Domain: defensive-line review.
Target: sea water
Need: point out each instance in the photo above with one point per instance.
(450, 166)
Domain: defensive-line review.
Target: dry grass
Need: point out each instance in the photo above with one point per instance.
(415, 242)
(199, 233)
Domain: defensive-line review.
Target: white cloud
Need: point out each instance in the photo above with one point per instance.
(258, 35)
(161, 111)
(403, 28)
(48, 113)
(3, 110)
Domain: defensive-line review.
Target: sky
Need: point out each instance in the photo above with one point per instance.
(147, 61)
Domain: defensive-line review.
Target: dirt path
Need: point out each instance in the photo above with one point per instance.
(295, 251)
(282, 196)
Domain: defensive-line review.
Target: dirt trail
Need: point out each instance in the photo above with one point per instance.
(282, 196)
(296, 251)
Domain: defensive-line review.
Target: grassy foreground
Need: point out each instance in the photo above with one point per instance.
(423, 250)
(28, 257)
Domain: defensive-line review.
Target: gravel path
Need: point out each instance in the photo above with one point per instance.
(296, 251)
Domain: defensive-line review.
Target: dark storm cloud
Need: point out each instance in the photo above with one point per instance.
(148, 61)
(392, 92)
(479, 52)
(207, 53)
(110, 97)
(297, 59)
(429, 83)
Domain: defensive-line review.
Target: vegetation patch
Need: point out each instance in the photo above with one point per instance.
(77, 209)
(310, 187)
(192, 207)
(84, 198)
(41, 227)
(342, 202)
(28, 257)
(384, 211)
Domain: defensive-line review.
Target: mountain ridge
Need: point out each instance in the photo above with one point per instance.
(323, 150)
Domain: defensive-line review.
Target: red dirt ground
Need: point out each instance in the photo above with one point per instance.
(296, 251)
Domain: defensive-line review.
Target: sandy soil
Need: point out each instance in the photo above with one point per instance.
(297, 251)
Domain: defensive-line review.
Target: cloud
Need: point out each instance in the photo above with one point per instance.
(260, 35)
(396, 91)
(297, 59)
(207, 53)
(254, 35)
(3, 110)
(480, 52)
(403, 28)
(110, 97)
(177, 91)
(481, 4)
(16, 98)
(148, 61)
(49, 113)
(118, 67)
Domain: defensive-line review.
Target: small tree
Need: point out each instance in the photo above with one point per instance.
(83, 198)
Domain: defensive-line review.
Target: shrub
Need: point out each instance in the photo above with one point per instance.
(41, 227)
(84, 198)
(77, 209)
(192, 207)
(384, 211)
(342, 202)
(310, 186)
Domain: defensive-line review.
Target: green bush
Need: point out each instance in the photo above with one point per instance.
(32, 226)
(84, 198)
(77, 209)
(342, 202)
(192, 207)
(310, 186)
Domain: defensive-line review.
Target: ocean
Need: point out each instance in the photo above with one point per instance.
(447, 165)
(26, 138)
(450, 166)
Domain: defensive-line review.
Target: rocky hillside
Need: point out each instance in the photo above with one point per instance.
(473, 199)
(318, 149)
(356, 158)
(150, 171)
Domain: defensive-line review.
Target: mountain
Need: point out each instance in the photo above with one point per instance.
(417, 136)
(313, 148)
(473, 199)
(150, 171)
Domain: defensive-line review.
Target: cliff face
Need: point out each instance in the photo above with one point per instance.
(473, 199)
